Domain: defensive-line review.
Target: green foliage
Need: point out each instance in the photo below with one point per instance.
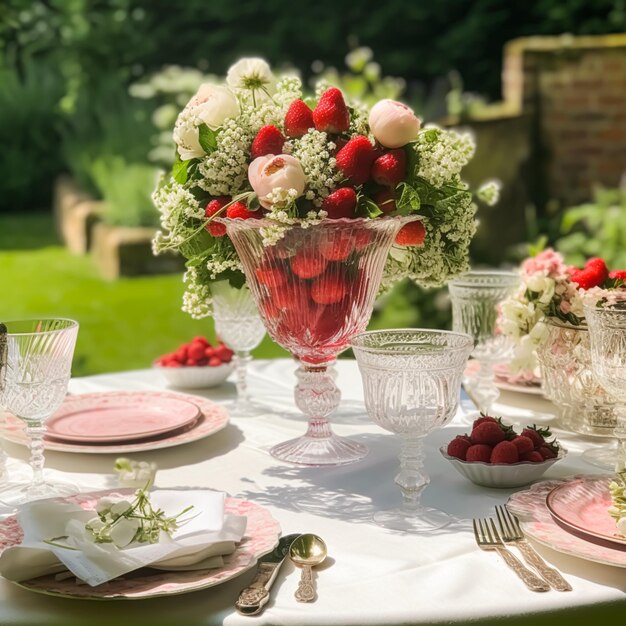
(596, 229)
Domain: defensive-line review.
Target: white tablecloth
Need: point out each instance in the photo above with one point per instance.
(372, 575)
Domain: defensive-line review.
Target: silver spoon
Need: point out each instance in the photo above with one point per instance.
(306, 552)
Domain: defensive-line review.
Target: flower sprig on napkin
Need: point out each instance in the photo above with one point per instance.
(617, 489)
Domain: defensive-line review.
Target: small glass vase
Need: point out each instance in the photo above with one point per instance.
(239, 325)
(567, 379)
(315, 288)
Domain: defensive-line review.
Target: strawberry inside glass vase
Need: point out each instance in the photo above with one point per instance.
(315, 287)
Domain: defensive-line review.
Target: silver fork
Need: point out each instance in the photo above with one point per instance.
(511, 532)
(487, 538)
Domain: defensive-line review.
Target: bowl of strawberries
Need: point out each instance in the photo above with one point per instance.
(197, 364)
(494, 455)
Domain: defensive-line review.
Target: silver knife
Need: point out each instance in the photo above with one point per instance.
(255, 596)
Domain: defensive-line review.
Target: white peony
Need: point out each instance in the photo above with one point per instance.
(253, 74)
(542, 285)
(268, 173)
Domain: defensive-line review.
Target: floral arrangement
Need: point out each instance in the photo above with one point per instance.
(550, 289)
(256, 147)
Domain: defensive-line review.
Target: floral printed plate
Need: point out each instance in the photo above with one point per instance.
(538, 524)
(506, 381)
(262, 533)
(212, 419)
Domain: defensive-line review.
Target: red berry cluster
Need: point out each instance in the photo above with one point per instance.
(492, 441)
(198, 352)
(596, 274)
(358, 159)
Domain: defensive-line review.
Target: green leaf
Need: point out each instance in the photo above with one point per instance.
(198, 244)
(412, 161)
(179, 170)
(409, 200)
(207, 138)
(366, 207)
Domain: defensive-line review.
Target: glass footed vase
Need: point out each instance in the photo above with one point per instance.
(239, 326)
(315, 288)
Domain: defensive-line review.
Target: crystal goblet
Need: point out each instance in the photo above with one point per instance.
(315, 288)
(33, 384)
(411, 381)
(239, 325)
(607, 335)
(475, 298)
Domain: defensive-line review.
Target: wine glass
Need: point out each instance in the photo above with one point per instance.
(411, 382)
(607, 333)
(33, 383)
(239, 326)
(475, 298)
(315, 288)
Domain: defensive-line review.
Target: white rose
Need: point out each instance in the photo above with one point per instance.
(270, 172)
(542, 285)
(393, 124)
(251, 73)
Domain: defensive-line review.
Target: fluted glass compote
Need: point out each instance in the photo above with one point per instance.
(475, 298)
(411, 381)
(239, 325)
(315, 288)
(607, 334)
(32, 387)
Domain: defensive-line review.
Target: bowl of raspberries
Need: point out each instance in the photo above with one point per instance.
(197, 364)
(494, 455)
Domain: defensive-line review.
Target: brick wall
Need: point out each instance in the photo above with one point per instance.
(574, 91)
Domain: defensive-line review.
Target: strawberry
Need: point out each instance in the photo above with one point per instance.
(489, 433)
(458, 447)
(547, 452)
(483, 418)
(331, 114)
(223, 353)
(538, 435)
(478, 452)
(215, 205)
(593, 274)
(523, 444)
(196, 351)
(337, 247)
(533, 456)
(355, 159)
(269, 140)
(340, 203)
(390, 168)
(308, 264)
(271, 276)
(328, 289)
(618, 274)
(411, 234)
(299, 119)
(386, 200)
(241, 211)
(505, 453)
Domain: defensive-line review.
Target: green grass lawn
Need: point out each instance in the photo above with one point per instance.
(123, 324)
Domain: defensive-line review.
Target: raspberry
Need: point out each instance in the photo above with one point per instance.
(308, 264)
(200, 339)
(385, 200)
(196, 351)
(240, 210)
(505, 453)
(269, 140)
(271, 276)
(214, 361)
(337, 247)
(478, 452)
(355, 159)
(458, 447)
(223, 353)
(547, 452)
(533, 456)
(489, 433)
(215, 205)
(412, 234)
(340, 203)
(328, 289)
(523, 444)
(390, 168)
(331, 114)
(299, 119)
(181, 354)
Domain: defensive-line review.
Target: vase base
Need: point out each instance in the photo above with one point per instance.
(420, 520)
(320, 451)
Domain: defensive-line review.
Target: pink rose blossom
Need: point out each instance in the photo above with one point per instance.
(393, 124)
(547, 262)
(270, 172)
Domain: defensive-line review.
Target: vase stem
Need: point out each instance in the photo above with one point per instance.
(242, 359)
(411, 479)
(36, 432)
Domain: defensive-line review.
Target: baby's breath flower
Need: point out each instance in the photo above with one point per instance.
(489, 192)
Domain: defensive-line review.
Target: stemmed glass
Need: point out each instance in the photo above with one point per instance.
(411, 381)
(33, 383)
(475, 299)
(239, 326)
(607, 334)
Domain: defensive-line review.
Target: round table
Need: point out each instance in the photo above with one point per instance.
(372, 575)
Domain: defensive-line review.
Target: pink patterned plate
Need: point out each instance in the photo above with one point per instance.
(114, 417)
(212, 419)
(538, 524)
(505, 381)
(580, 506)
(262, 533)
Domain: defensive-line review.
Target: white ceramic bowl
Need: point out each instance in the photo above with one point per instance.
(196, 377)
(501, 476)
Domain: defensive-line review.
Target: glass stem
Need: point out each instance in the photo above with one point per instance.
(35, 434)
(317, 396)
(242, 358)
(486, 391)
(411, 479)
(620, 435)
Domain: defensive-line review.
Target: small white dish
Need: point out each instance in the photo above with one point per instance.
(501, 476)
(196, 377)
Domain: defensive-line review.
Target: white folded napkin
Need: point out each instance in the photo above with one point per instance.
(197, 544)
